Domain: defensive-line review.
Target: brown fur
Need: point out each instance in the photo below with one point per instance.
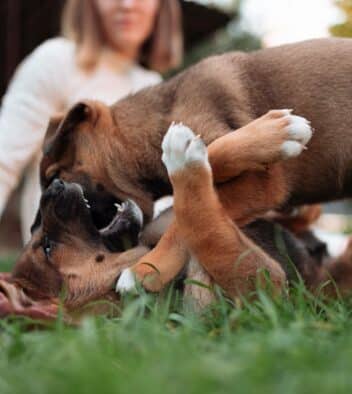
(119, 147)
(67, 258)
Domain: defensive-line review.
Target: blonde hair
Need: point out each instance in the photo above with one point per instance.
(162, 51)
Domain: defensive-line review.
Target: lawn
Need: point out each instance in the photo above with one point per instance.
(291, 345)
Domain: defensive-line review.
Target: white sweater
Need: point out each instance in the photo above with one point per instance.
(49, 81)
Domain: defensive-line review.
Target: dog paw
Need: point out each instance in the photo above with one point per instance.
(126, 282)
(299, 129)
(288, 134)
(181, 147)
(299, 133)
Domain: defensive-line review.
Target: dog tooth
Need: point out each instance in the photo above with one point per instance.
(119, 207)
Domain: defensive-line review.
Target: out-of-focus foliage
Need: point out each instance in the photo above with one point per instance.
(225, 40)
(343, 29)
(232, 37)
(225, 5)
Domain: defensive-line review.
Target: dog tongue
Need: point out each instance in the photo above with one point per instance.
(14, 302)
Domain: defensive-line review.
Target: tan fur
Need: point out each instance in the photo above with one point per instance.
(230, 258)
(73, 272)
(119, 147)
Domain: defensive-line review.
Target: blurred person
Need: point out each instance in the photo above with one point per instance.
(99, 57)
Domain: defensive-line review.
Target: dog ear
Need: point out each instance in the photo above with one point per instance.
(15, 302)
(60, 129)
(37, 221)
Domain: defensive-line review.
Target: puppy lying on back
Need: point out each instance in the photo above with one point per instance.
(69, 258)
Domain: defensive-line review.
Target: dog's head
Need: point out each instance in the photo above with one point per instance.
(85, 146)
(68, 257)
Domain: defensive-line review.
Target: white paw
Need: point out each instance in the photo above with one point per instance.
(299, 134)
(126, 282)
(181, 147)
(299, 129)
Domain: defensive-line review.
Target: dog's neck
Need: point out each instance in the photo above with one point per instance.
(139, 138)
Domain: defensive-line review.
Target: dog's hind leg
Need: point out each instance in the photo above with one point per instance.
(159, 266)
(228, 256)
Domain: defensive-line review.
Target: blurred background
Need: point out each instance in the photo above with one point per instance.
(210, 26)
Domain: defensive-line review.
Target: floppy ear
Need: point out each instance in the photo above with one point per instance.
(15, 302)
(60, 130)
(57, 138)
(51, 130)
(37, 221)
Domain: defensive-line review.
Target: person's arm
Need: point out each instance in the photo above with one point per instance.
(35, 93)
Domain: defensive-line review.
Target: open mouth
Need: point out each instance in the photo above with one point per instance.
(125, 220)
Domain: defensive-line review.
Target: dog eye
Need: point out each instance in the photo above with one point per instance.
(47, 246)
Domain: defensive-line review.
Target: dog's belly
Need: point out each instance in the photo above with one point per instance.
(315, 80)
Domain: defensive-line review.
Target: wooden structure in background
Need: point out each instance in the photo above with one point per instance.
(26, 24)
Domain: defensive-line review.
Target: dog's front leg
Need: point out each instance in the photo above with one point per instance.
(277, 135)
(159, 266)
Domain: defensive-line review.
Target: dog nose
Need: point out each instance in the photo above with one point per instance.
(57, 184)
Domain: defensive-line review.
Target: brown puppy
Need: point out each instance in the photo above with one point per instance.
(115, 152)
(68, 257)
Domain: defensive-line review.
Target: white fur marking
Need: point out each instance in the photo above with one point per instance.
(126, 282)
(299, 134)
(137, 212)
(336, 243)
(299, 129)
(291, 149)
(180, 147)
(162, 205)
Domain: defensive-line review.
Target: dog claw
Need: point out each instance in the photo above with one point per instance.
(119, 207)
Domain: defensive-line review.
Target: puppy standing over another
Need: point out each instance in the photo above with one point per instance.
(114, 152)
(68, 253)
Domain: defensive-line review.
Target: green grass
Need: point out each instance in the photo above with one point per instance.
(291, 345)
(6, 263)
